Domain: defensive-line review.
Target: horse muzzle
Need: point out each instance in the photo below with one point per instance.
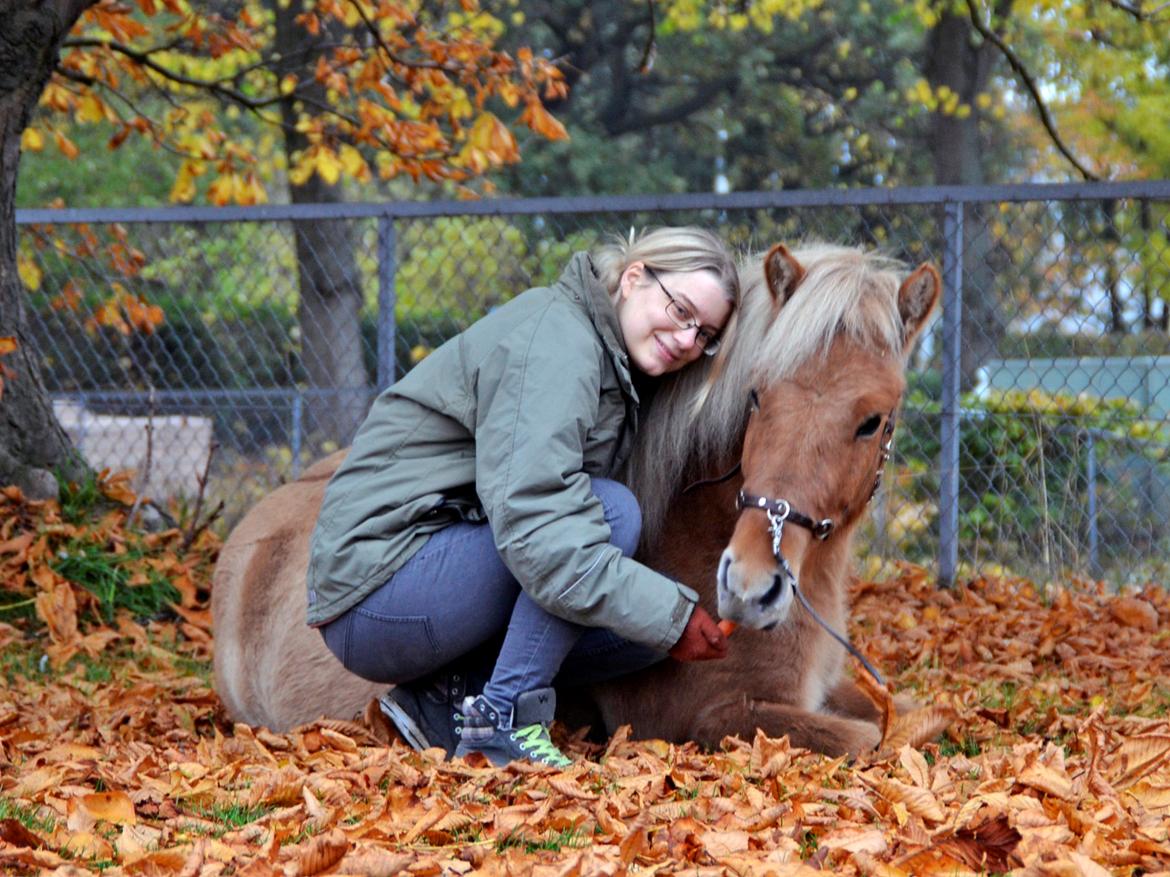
(751, 595)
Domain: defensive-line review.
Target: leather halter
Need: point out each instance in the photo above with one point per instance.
(781, 511)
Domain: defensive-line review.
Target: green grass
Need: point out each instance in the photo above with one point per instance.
(228, 817)
(106, 575)
(304, 834)
(808, 844)
(26, 816)
(79, 499)
(25, 661)
(968, 746)
(556, 841)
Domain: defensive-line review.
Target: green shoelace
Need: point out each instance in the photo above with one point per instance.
(534, 739)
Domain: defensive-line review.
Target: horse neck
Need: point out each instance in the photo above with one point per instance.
(824, 576)
(697, 527)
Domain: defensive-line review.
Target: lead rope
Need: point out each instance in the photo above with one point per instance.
(848, 645)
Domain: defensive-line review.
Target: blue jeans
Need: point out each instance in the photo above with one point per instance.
(451, 604)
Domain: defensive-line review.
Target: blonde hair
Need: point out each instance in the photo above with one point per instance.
(666, 249)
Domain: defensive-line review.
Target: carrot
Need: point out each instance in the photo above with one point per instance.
(727, 626)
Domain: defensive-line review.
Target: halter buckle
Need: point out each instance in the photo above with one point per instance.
(776, 521)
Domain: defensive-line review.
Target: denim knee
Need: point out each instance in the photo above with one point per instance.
(622, 513)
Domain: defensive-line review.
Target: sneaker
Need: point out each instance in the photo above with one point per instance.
(527, 741)
(425, 711)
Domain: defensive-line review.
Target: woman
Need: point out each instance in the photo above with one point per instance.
(477, 503)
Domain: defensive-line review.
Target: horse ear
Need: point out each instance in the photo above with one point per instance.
(917, 298)
(782, 272)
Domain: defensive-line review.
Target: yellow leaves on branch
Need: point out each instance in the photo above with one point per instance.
(183, 190)
(329, 164)
(236, 188)
(942, 99)
(398, 87)
(117, 20)
(29, 271)
(126, 313)
(31, 140)
(489, 144)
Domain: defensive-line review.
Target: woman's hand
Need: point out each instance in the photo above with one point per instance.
(701, 639)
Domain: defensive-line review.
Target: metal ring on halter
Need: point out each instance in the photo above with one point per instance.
(776, 526)
(820, 529)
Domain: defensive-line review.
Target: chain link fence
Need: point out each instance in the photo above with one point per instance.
(1034, 439)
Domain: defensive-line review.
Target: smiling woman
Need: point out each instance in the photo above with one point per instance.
(664, 334)
(474, 545)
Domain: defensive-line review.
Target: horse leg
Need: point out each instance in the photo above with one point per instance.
(847, 699)
(819, 732)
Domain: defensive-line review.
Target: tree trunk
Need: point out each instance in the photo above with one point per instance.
(955, 59)
(31, 441)
(329, 310)
(1111, 239)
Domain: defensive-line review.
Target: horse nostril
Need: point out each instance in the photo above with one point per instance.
(774, 592)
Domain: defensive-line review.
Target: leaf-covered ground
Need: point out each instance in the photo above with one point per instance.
(1047, 750)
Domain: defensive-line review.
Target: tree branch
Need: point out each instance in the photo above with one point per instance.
(143, 57)
(1136, 10)
(697, 100)
(390, 53)
(1030, 84)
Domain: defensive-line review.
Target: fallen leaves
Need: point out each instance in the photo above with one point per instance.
(1044, 749)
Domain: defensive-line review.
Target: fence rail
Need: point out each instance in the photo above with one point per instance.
(271, 328)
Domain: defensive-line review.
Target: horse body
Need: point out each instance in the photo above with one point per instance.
(825, 375)
(271, 668)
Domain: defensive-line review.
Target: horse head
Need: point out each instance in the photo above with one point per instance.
(833, 329)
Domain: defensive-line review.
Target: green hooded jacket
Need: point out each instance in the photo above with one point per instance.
(506, 422)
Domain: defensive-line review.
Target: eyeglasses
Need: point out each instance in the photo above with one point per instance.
(681, 316)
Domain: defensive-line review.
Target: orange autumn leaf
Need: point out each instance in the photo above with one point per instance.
(319, 854)
(536, 117)
(1139, 757)
(1134, 612)
(919, 727)
(879, 695)
(920, 802)
(115, 807)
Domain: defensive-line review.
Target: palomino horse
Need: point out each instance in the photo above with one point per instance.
(803, 401)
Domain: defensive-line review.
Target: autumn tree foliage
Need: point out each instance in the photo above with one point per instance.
(356, 88)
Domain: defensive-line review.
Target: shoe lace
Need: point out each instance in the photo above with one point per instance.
(534, 740)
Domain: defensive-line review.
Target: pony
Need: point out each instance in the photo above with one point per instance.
(752, 476)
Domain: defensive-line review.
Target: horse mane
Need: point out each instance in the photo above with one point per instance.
(698, 415)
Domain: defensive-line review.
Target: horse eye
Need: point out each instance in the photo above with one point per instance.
(754, 400)
(869, 427)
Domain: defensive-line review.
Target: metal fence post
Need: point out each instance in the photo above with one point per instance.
(948, 464)
(298, 426)
(387, 328)
(1091, 477)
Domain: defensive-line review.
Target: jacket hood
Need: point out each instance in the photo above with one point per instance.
(580, 278)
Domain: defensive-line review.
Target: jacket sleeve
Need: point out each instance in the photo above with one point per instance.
(537, 396)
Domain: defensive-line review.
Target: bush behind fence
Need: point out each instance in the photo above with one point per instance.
(1041, 480)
